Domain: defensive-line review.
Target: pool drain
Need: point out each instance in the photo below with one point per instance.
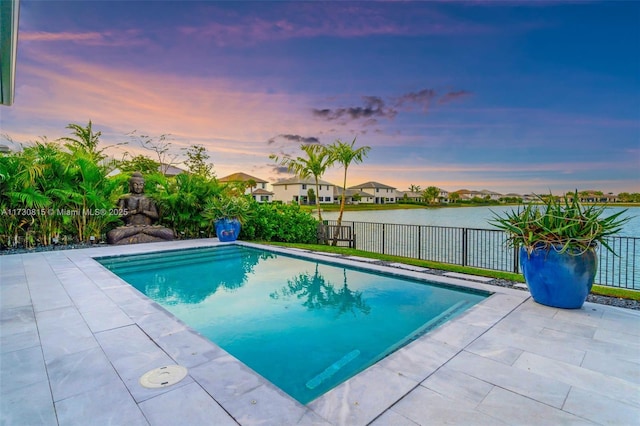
(163, 376)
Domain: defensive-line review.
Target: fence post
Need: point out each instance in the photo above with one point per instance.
(464, 246)
(516, 258)
(353, 232)
(383, 238)
(419, 242)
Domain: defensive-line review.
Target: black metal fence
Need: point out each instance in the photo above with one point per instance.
(484, 248)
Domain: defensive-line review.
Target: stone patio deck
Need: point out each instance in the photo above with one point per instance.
(75, 340)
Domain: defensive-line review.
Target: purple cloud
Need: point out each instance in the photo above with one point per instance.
(294, 138)
(452, 96)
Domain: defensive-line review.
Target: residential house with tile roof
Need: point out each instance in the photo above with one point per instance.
(382, 193)
(296, 190)
(361, 196)
(256, 187)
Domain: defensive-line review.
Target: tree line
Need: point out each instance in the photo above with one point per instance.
(64, 192)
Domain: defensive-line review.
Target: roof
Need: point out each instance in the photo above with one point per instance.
(372, 185)
(411, 194)
(298, 181)
(261, 191)
(170, 170)
(241, 177)
(350, 192)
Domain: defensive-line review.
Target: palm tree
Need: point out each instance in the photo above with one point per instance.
(430, 194)
(318, 159)
(346, 154)
(85, 141)
(414, 188)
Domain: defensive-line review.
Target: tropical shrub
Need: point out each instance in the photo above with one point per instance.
(280, 222)
(182, 200)
(563, 224)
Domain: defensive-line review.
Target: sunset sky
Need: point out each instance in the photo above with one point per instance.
(509, 96)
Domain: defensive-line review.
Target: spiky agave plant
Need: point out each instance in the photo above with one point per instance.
(564, 225)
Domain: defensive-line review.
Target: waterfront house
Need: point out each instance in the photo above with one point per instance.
(382, 194)
(361, 197)
(256, 187)
(411, 196)
(296, 190)
(592, 196)
(489, 195)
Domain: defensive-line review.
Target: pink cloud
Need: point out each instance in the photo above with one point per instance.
(229, 118)
(92, 38)
(303, 20)
(452, 96)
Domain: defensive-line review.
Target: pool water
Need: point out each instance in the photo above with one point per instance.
(304, 325)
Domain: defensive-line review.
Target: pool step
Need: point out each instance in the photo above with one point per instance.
(170, 263)
(332, 369)
(186, 257)
(426, 327)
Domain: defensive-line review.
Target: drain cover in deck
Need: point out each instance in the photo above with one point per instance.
(163, 376)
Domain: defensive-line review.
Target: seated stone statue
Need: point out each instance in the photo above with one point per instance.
(139, 213)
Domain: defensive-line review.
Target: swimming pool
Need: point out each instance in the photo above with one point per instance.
(304, 325)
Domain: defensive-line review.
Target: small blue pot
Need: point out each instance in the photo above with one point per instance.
(227, 229)
(557, 279)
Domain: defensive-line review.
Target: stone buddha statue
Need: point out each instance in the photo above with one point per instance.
(139, 213)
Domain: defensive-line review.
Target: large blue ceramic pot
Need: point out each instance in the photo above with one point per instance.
(561, 280)
(227, 229)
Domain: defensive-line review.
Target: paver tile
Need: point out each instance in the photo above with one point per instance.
(188, 405)
(601, 409)
(75, 373)
(391, 417)
(225, 378)
(543, 389)
(189, 349)
(458, 386)
(580, 377)
(425, 406)
(21, 368)
(28, 405)
(63, 331)
(514, 409)
(362, 398)
(612, 366)
(265, 405)
(104, 405)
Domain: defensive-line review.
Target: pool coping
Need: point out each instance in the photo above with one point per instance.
(242, 393)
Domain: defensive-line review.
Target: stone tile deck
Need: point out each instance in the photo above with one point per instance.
(75, 339)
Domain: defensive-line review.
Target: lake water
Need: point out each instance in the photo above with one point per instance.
(460, 217)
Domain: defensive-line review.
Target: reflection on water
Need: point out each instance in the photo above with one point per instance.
(171, 285)
(317, 294)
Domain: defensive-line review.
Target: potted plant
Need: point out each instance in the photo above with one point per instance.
(228, 214)
(557, 242)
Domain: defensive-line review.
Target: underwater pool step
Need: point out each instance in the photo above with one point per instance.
(332, 369)
(168, 253)
(122, 264)
(168, 264)
(434, 322)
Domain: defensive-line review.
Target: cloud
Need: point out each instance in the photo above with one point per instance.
(91, 38)
(294, 138)
(373, 106)
(421, 98)
(227, 117)
(452, 96)
(301, 20)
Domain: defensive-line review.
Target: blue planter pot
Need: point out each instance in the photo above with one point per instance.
(227, 229)
(557, 279)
